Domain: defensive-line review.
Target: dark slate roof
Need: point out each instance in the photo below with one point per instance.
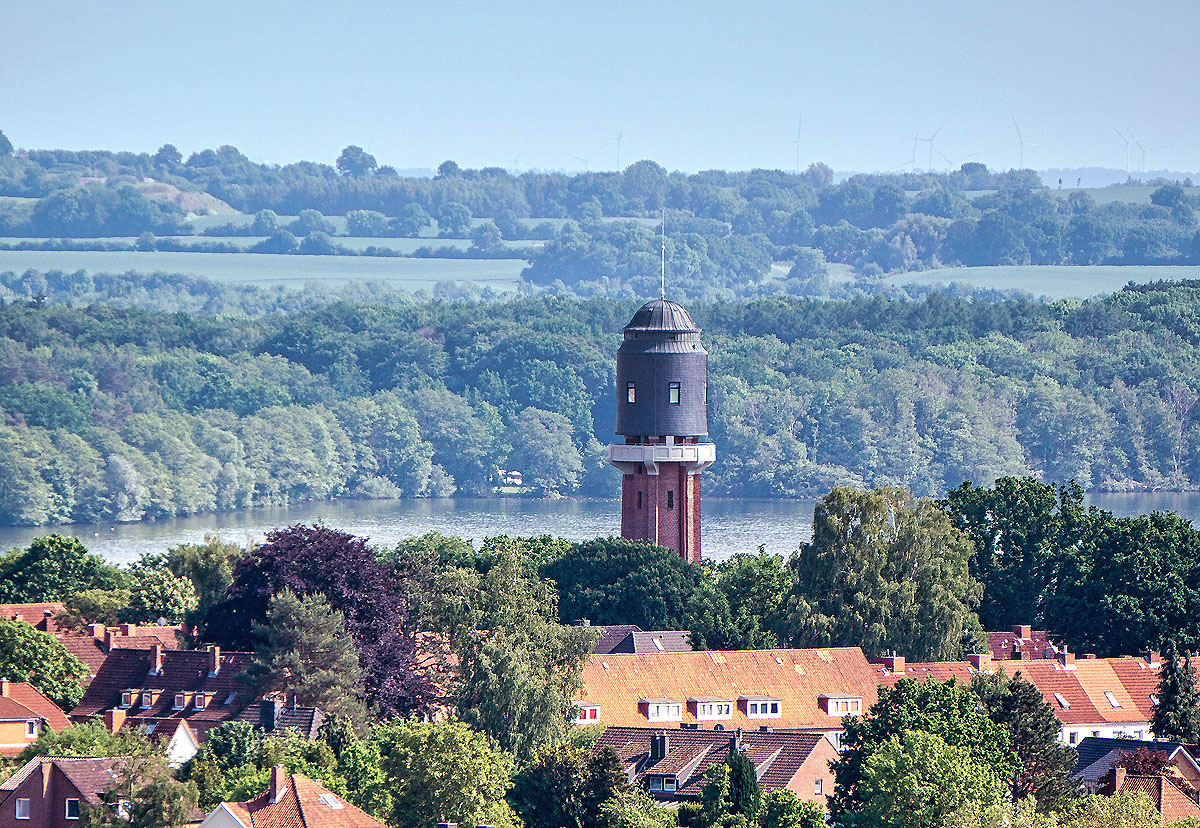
(658, 641)
(662, 315)
(1091, 749)
(612, 636)
(777, 754)
(306, 721)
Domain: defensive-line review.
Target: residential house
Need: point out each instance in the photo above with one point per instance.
(1174, 798)
(24, 715)
(807, 690)
(1021, 643)
(1100, 697)
(92, 645)
(291, 800)
(157, 689)
(671, 763)
(629, 638)
(1097, 756)
(50, 791)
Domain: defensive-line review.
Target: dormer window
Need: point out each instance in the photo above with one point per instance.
(841, 705)
(673, 393)
(708, 709)
(662, 710)
(180, 701)
(128, 698)
(762, 707)
(149, 697)
(200, 701)
(630, 393)
(586, 712)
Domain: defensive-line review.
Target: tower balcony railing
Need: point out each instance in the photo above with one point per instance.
(696, 456)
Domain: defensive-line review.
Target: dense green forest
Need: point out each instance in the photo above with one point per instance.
(119, 413)
(729, 234)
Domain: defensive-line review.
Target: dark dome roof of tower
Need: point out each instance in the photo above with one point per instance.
(662, 315)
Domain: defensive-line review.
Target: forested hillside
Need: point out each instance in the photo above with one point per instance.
(123, 413)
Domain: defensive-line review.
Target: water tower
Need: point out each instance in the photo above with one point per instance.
(662, 414)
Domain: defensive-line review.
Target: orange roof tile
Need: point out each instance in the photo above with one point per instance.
(304, 804)
(30, 698)
(617, 681)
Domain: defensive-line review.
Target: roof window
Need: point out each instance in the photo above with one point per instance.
(1062, 702)
(1112, 699)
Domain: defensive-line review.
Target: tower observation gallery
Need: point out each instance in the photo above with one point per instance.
(662, 418)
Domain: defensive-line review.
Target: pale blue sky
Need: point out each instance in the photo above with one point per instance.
(693, 85)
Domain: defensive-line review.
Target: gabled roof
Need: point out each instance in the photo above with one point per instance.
(303, 804)
(1084, 688)
(91, 776)
(921, 670)
(1004, 644)
(183, 671)
(659, 641)
(613, 635)
(617, 681)
(1173, 798)
(777, 755)
(1091, 749)
(24, 701)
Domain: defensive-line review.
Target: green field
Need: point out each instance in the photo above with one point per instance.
(1054, 282)
(1131, 194)
(356, 243)
(264, 269)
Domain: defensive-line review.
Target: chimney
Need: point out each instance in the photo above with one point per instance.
(1151, 657)
(214, 659)
(114, 719)
(1023, 630)
(891, 663)
(97, 631)
(980, 661)
(737, 739)
(278, 783)
(3, 687)
(1066, 658)
(156, 653)
(108, 637)
(268, 714)
(1118, 779)
(127, 629)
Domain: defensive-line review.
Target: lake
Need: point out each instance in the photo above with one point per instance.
(730, 525)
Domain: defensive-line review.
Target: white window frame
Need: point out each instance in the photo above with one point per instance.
(67, 809)
(674, 392)
(656, 783)
(1112, 699)
(714, 710)
(670, 783)
(31, 728)
(17, 808)
(127, 698)
(1062, 701)
(200, 702)
(630, 393)
(180, 701)
(664, 712)
(819, 787)
(763, 709)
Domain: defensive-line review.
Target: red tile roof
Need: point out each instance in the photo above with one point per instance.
(616, 683)
(24, 701)
(91, 776)
(303, 803)
(1173, 797)
(1024, 642)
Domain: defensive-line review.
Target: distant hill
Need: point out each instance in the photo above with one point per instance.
(1105, 176)
(200, 203)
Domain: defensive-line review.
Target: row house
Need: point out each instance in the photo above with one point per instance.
(801, 689)
(177, 696)
(1091, 697)
(52, 791)
(93, 644)
(671, 763)
(25, 714)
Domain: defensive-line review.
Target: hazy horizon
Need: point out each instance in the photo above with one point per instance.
(691, 85)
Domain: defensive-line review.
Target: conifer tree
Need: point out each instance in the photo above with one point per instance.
(744, 794)
(1177, 715)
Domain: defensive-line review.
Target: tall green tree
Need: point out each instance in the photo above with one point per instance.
(887, 572)
(444, 772)
(1018, 527)
(30, 655)
(782, 808)
(51, 568)
(303, 647)
(945, 710)
(208, 565)
(1177, 714)
(567, 786)
(744, 794)
(88, 739)
(1033, 730)
(544, 451)
(143, 794)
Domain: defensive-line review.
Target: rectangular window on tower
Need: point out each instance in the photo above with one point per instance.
(673, 393)
(630, 393)
(670, 500)
(639, 500)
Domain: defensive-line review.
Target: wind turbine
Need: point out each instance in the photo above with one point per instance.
(1128, 139)
(1022, 143)
(585, 161)
(930, 141)
(1144, 150)
(796, 143)
(620, 136)
(516, 159)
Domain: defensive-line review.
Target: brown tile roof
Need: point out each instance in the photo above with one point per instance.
(777, 755)
(1173, 798)
(183, 671)
(936, 670)
(1027, 643)
(30, 613)
(1139, 675)
(1084, 689)
(24, 701)
(617, 681)
(90, 775)
(303, 804)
